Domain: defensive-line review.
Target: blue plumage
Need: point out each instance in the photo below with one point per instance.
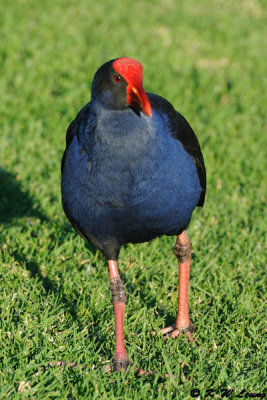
(127, 179)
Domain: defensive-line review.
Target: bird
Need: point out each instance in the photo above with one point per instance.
(132, 171)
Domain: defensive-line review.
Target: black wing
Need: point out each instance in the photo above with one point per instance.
(182, 131)
(73, 129)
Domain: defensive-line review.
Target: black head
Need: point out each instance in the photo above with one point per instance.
(118, 85)
(109, 87)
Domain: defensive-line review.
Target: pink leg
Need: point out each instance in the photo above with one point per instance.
(121, 360)
(183, 324)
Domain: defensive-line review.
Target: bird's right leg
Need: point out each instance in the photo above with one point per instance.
(121, 360)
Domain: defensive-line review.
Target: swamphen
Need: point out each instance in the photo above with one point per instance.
(132, 171)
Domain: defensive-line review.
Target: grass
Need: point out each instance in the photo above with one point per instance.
(206, 57)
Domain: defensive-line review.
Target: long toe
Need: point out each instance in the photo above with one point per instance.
(119, 366)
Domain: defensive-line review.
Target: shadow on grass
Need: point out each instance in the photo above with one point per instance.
(14, 201)
(48, 284)
(152, 302)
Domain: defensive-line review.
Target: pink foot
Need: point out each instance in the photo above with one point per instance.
(118, 366)
(174, 331)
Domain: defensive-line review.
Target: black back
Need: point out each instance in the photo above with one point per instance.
(182, 131)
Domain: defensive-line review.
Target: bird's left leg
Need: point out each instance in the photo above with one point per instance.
(121, 360)
(182, 250)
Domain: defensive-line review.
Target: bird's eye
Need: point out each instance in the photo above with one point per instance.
(117, 78)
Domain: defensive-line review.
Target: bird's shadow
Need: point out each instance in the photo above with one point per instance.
(16, 202)
(48, 284)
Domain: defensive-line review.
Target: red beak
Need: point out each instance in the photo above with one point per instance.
(131, 70)
(137, 97)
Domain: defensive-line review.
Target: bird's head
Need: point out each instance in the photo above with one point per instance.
(119, 84)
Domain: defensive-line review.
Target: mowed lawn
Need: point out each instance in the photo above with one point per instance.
(207, 58)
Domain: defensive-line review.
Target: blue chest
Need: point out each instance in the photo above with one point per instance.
(133, 183)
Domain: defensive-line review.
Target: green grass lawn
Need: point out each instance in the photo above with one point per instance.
(207, 58)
